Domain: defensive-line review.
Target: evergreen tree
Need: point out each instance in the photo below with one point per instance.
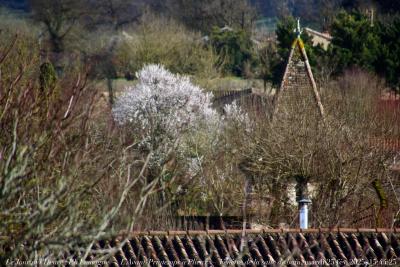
(47, 77)
(389, 61)
(355, 42)
(234, 48)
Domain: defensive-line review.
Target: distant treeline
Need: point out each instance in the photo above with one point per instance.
(320, 13)
(202, 15)
(15, 4)
(272, 8)
(218, 35)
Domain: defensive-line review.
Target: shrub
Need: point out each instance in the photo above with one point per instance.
(53, 158)
(162, 41)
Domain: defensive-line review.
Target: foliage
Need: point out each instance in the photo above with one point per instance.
(389, 57)
(47, 77)
(268, 62)
(163, 41)
(354, 42)
(234, 48)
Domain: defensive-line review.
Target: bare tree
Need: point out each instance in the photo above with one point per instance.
(59, 18)
(53, 161)
(117, 13)
(203, 15)
(334, 157)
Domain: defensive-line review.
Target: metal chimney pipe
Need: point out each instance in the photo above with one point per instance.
(303, 205)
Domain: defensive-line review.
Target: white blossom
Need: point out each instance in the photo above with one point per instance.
(234, 114)
(163, 103)
(167, 112)
(162, 108)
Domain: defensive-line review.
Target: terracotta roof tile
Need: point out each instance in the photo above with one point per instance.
(262, 247)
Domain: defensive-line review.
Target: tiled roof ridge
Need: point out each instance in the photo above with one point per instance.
(262, 247)
(261, 231)
(320, 34)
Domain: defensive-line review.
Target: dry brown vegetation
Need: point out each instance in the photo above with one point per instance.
(69, 176)
(65, 173)
(349, 176)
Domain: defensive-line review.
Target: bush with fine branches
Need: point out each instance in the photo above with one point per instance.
(55, 157)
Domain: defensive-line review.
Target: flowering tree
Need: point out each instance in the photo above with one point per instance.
(163, 107)
(175, 122)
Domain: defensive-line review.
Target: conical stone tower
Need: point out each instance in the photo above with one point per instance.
(298, 95)
(297, 122)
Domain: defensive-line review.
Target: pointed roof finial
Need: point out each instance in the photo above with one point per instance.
(298, 29)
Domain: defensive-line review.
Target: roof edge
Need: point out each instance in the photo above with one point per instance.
(261, 231)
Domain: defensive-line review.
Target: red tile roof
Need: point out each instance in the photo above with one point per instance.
(268, 247)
